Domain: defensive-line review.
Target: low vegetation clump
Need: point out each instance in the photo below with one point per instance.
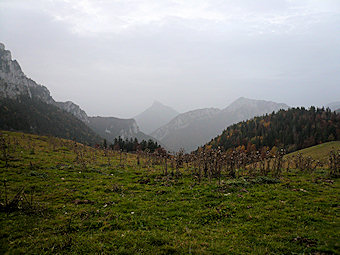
(58, 196)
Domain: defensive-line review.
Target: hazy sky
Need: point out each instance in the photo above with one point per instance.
(115, 57)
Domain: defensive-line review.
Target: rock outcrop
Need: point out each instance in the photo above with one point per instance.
(75, 110)
(14, 84)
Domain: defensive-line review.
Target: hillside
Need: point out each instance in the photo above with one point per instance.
(318, 152)
(154, 117)
(15, 84)
(34, 116)
(28, 106)
(32, 103)
(195, 128)
(187, 129)
(111, 128)
(292, 129)
(65, 199)
(334, 105)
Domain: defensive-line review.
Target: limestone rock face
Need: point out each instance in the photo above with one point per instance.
(75, 110)
(14, 84)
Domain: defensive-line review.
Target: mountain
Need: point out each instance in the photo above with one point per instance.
(74, 109)
(187, 130)
(25, 100)
(334, 106)
(14, 84)
(337, 111)
(28, 106)
(245, 108)
(32, 115)
(111, 128)
(154, 117)
(292, 129)
(195, 128)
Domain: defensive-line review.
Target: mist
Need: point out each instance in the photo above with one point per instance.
(114, 58)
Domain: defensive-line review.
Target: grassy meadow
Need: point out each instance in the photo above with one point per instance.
(58, 197)
(318, 152)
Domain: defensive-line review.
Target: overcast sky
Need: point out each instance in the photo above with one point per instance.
(115, 57)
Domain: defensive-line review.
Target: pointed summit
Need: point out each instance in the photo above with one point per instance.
(154, 117)
(156, 103)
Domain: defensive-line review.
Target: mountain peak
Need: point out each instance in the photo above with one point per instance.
(243, 101)
(155, 116)
(242, 98)
(156, 103)
(14, 83)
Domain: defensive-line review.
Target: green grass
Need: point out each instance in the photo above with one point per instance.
(318, 152)
(110, 209)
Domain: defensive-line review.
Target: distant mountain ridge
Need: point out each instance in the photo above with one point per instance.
(184, 120)
(32, 103)
(187, 130)
(154, 117)
(245, 108)
(111, 128)
(334, 106)
(195, 128)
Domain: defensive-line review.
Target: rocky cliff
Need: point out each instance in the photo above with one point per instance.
(14, 84)
(75, 110)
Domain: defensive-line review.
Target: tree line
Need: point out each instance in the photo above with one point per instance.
(132, 145)
(292, 129)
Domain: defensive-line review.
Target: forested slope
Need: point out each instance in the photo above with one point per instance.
(292, 129)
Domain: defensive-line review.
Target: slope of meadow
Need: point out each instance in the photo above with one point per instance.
(318, 152)
(62, 197)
